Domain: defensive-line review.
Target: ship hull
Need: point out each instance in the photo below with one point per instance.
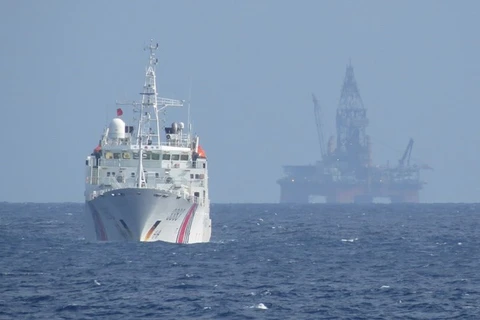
(146, 215)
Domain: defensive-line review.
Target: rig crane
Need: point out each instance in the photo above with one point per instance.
(406, 154)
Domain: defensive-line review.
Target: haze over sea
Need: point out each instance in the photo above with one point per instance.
(265, 261)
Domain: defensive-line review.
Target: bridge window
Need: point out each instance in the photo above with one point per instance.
(126, 155)
(108, 155)
(155, 156)
(108, 174)
(184, 157)
(166, 156)
(132, 174)
(145, 155)
(175, 157)
(116, 155)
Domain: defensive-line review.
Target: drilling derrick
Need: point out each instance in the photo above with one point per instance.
(352, 150)
(345, 173)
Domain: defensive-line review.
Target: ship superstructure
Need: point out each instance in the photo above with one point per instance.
(148, 181)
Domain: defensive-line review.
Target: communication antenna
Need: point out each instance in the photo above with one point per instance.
(188, 108)
(152, 47)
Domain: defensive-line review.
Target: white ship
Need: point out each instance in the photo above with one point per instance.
(142, 185)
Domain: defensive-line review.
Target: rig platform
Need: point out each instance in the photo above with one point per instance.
(345, 173)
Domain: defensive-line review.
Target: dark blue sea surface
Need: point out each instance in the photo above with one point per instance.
(265, 261)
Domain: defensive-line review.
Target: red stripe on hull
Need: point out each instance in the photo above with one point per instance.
(183, 228)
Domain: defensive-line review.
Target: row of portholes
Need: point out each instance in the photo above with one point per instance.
(119, 177)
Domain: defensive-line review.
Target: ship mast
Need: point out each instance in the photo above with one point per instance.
(149, 103)
(140, 173)
(148, 133)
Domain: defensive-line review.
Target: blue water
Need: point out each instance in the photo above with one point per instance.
(264, 262)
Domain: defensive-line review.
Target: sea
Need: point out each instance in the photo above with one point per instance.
(264, 261)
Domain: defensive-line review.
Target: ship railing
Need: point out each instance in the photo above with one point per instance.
(167, 164)
(178, 140)
(111, 183)
(118, 142)
(165, 183)
(111, 162)
(146, 163)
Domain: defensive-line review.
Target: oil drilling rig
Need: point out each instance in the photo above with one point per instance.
(345, 173)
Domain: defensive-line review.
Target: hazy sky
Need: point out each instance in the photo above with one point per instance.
(254, 65)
